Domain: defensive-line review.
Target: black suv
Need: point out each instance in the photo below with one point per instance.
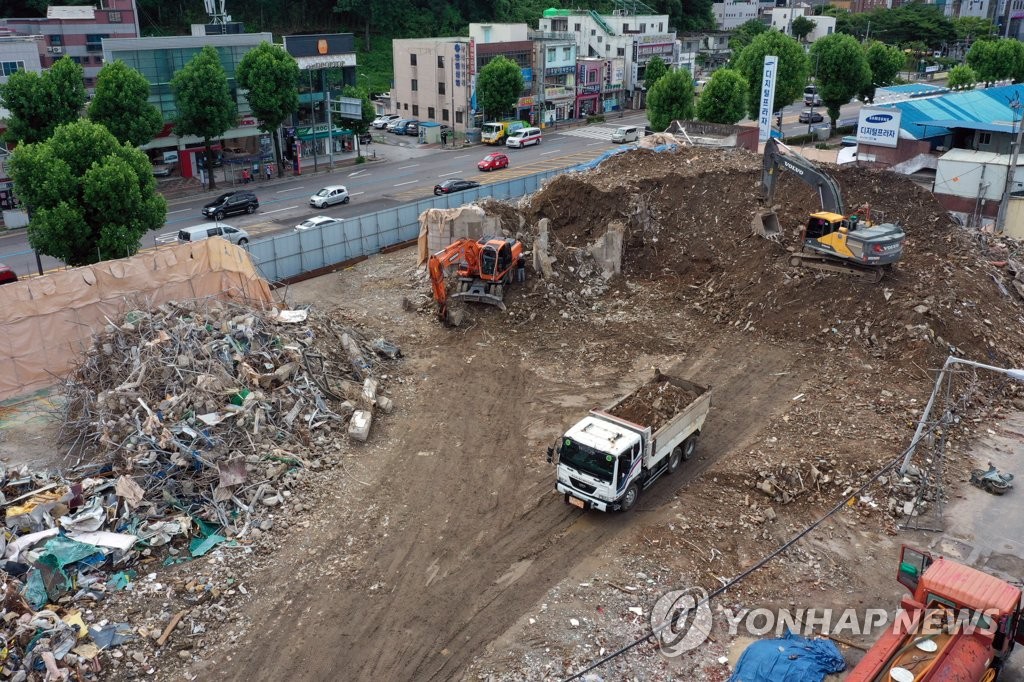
(231, 203)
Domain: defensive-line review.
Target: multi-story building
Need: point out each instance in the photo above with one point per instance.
(19, 53)
(555, 76)
(734, 13)
(158, 59)
(79, 31)
(511, 41)
(626, 34)
(432, 80)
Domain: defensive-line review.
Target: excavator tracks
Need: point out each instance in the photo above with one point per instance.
(821, 262)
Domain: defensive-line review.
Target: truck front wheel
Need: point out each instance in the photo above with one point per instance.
(630, 498)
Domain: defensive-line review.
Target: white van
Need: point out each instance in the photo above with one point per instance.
(626, 134)
(523, 137)
(235, 235)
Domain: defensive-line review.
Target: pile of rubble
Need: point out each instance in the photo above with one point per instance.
(194, 425)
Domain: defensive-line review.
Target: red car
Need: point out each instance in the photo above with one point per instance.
(493, 162)
(7, 275)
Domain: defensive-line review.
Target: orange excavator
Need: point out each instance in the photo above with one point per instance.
(484, 268)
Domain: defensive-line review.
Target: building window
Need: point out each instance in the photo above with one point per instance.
(430, 113)
(440, 61)
(444, 114)
(440, 87)
(984, 139)
(625, 28)
(661, 27)
(566, 53)
(406, 106)
(599, 38)
(94, 42)
(415, 109)
(7, 68)
(621, 52)
(643, 27)
(576, 27)
(412, 59)
(56, 40)
(415, 85)
(593, 31)
(551, 54)
(114, 17)
(458, 117)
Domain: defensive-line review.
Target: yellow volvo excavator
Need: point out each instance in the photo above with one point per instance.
(831, 240)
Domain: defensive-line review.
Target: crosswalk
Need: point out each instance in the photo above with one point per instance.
(598, 132)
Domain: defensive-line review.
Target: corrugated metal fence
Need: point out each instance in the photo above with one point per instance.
(288, 254)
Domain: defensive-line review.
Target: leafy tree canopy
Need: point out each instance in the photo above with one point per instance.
(90, 198)
(498, 86)
(40, 102)
(842, 70)
(962, 76)
(271, 77)
(745, 34)
(670, 98)
(974, 28)
(206, 108)
(655, 69)
(121, 104)
(802, 27)
(792, 71)
(885, 63)
(724, 99)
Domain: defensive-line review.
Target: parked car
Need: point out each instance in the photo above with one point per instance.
(7, 275)
(849, 141)
(328, 196)
(493, 162)
(454, 185)
(381, 122)
(402, 127)
(523, 137)
(626, 134)
(412, 128)
(235, 235)
(809, 116)
(390, 127)
(317, 221)
(231, 203)
(365, 138)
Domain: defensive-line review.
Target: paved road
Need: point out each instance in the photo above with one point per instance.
(404, 174)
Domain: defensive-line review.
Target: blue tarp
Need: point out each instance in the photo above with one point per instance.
(790, 659)
(594, 163)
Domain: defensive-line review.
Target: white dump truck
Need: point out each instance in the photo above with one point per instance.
(607, 458)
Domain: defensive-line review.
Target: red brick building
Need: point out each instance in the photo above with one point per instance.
(78, 31)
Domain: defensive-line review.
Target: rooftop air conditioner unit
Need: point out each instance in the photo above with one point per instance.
(57, 49)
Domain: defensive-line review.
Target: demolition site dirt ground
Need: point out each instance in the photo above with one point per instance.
(438, 548)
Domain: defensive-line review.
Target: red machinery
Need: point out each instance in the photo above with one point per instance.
(484, 268)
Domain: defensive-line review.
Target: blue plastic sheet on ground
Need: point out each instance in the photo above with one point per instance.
(112, 634)
(594, 163)
(200, 546)
(790, 659)
(49, 581)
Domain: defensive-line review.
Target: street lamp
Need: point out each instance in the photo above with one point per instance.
(1017, 374)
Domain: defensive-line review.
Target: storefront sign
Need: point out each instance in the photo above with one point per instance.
(590, 89)
(557, 93)
(525, 102)
(559, 70)
(879, 126)
(247, 122)
(472, 56)
(322, 51)
(767, 103)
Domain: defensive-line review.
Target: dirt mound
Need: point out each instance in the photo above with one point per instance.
(688, 214)
(654, 403)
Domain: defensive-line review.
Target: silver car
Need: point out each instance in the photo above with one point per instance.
(315, 222)
(328, 196)
(235, 235)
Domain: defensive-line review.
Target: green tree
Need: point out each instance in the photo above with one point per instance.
(724, 99)
(885, 63)
(90, 197)
(670, 98)
(745, 34)
(121, 103)
(361, 125)
(271, 77)
(802, 27)
(792, 71)
(40, 102)
(205, 106)
(970, 29)
(983, 57)
(842, 70)
(962, 76)
(911, 22)
(498, 86)
(655, 69)
(1010, 55)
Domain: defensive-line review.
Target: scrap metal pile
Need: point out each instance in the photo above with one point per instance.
(193, 424)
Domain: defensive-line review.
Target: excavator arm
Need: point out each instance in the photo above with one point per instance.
(463, 253)
(778, 156)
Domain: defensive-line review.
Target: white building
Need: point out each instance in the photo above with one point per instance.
(782, 20)
(732, 14)
(634, 38)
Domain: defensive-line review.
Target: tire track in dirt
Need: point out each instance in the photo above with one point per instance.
(483, 538)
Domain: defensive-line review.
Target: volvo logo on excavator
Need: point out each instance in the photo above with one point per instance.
(790, 167)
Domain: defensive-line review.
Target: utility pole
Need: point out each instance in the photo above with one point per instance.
(1011, 168)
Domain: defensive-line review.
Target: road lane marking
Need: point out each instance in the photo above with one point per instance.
(352, 175)
(447, 174)
(293, 189)
(286, 208)
(553, 151)
(593, 143)
(462, 156)
(404, 167)
(355, 194)
(406, 183)
(180, 210)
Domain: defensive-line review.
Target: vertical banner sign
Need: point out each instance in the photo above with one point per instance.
(764, 119)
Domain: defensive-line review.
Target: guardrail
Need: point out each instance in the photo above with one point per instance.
(290, 254)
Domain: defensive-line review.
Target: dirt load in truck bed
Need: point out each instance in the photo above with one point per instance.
(654, 403)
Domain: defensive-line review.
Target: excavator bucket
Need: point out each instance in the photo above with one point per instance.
(766, 224)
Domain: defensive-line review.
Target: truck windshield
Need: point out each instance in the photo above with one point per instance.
(585, 458)
(492, 128)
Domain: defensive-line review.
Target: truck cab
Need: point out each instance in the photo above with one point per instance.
(595, 461)
(495, 132)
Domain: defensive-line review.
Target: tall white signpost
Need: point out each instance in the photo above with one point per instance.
(764, 118)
